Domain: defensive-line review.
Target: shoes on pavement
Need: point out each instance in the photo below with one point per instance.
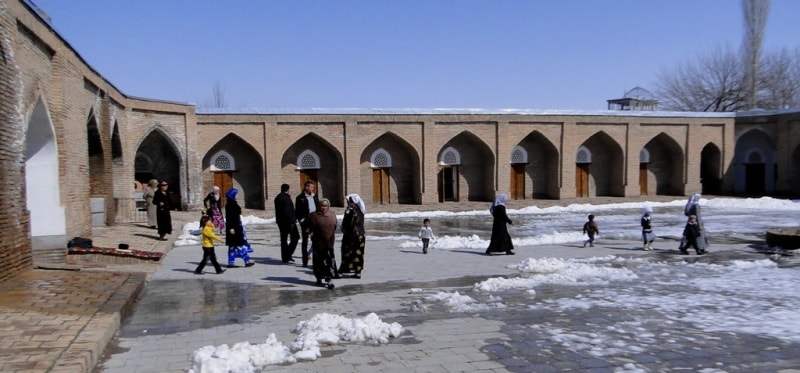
(510, 252)
(250, 264)
(356, 275)
(198, 273)
(231, 266)
(221, 271)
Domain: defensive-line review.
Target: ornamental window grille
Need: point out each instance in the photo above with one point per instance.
(450, 157)
(583, 155)
(308, 160)
(223, 161)
(381, 159)
(644, 156)
(755, 156)
(519, 155)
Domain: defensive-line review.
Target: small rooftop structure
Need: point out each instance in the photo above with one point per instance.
(637, 99)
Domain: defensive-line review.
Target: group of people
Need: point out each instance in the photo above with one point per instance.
(211, 219)
(319, 224)
(693, 233)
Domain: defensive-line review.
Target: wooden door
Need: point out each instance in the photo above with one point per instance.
(518, 181)
(449, 184)
(224, 180)
(309, 175)
(582, 180)
(643, 179)
(380, 186)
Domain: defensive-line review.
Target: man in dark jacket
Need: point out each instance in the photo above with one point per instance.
(305, 203)
(284, 216)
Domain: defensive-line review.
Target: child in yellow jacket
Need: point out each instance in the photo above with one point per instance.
(208, 246)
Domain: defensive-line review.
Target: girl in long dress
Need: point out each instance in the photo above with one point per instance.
(501, 240)
(238, 247)
(213, 205)
(353, 240)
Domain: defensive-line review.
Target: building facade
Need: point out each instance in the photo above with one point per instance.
(78, 150)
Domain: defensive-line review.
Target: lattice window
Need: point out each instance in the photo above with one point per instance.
(755, 157)
(223, 161)
(451, 157)
(308, 160)
(644, 156)
(583, 155)
(519, 155)
(381, 159)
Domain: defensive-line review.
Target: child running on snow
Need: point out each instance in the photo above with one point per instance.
(426, 234)
(647, 229)
(591, 229)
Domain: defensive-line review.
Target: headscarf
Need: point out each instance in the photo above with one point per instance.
(357, 201)
(215, 192)
(232, 194)
(646, 210)
(153, 183)
(693, 200)
(499, 200)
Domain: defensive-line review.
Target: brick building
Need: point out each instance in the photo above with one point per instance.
(77, 149)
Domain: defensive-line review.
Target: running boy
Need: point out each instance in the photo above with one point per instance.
(591, 229)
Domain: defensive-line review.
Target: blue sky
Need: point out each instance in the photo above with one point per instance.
(300, 54)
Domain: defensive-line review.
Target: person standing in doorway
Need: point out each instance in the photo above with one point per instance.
(501, 240)
(284, 217)
(149, 193)
(163, 216)
(305, 203)
(322, 224)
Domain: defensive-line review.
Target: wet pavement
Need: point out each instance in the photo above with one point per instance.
(61, 320)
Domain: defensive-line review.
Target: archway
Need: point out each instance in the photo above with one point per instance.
(540, 170)
(390, 171)
(474, 173)
(326, 167)
(97, 174)
(662, 174)
(754, 163)
(794, 180)
(711, 169)
(602, 175)
(233, 163)
(42, 187)
(157, 157)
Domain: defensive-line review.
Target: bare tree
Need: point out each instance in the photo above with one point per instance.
(755, 20)
(217, 100)
(779, 80)
(713, 83)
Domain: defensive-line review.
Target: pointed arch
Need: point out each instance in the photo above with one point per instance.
(390, 170)
(754, 163)
(662, 174)
(97, 172)
(538, 176)
(158, 157)
(232, 162)
(42, 186)
(711, 169)
(602, 173)
(467, 169)
(326, 169)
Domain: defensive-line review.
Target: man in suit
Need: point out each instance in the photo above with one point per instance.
(305, 203)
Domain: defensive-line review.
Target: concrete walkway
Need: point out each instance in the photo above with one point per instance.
(61, 317)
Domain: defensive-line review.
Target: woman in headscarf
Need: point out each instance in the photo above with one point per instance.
(213, 205)
(501, 240)
(238, 247)
(692, 208)
(353, 236)
(149, 193)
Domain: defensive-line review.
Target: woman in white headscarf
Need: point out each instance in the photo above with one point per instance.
(692, 208)
(213, 205)
(501, 240)
(353, 236)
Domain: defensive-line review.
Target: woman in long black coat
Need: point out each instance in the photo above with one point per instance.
(501, 240)
(235, 236)
(163, 216)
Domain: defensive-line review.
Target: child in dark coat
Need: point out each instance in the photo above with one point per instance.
(693, 236)
(591, 229)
